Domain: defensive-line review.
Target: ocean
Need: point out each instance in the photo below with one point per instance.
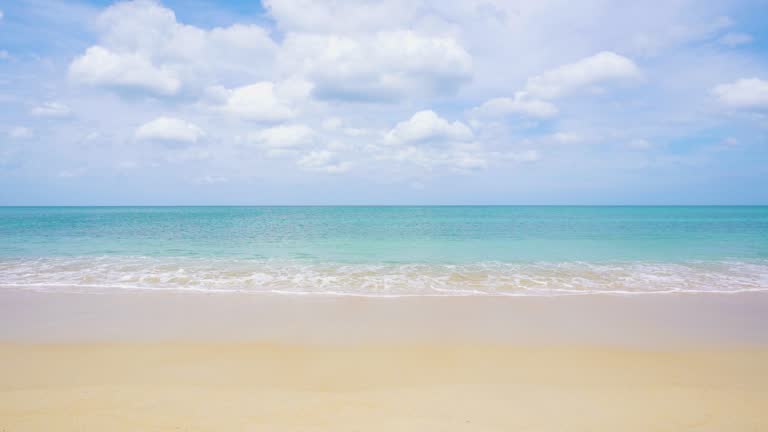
(387, 251)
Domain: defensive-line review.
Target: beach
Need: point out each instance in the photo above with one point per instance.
(164, 361)
(383, 216)
(384, 318)
(239, 387)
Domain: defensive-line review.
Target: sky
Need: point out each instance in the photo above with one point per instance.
(384, 102)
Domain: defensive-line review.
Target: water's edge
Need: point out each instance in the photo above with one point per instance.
(99, 274)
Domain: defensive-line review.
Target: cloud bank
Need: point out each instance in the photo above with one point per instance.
(472, 100)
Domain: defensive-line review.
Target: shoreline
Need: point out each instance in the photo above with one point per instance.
(490, 278)
(702, 319)
(111, 289)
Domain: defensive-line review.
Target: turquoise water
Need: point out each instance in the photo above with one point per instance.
(387, 250)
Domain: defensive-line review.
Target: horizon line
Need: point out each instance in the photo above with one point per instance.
(378, 205)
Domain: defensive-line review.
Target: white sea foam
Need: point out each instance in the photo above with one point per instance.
(100, 274)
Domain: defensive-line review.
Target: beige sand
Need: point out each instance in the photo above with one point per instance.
(165, 362)
(255, 387)
(654, 321)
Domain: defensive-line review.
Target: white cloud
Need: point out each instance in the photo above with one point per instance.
(169, 129)
(743, 93)
(601, 67)
(288, 96)
(283, 136)
(4, 55)
(101, 67)
(518, 105)
(142, 47)
(735, 39)
(51, 109)
(431, 158)
(468, 161)
(335, 16)
(460, 160)
(533, 100)
(20, 132)
(427, 126)
(385, 66)
(2, 15)
(264, 101)
(323, 161)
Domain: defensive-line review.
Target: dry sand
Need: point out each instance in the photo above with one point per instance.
(601, 364)
(252, 387)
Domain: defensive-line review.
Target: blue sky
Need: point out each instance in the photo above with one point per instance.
(383, 102)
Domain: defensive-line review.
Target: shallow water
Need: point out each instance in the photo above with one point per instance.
(387, 251)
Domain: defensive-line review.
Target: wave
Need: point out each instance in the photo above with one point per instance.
(99, 274)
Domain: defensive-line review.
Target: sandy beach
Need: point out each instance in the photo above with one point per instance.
(245, 387)
(163, 361)
(383, 216)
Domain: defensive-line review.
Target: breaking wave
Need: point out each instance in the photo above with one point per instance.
(100, 274)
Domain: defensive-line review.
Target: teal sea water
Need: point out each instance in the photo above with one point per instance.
(387, 251)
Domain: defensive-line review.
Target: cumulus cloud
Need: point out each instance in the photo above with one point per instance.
(101, 67)
(263, 101)
(142, 47)
(330, 84)
(534, 99)
(601, 67)
(385, 66)
(427, 126)
(498, 107)
(430, 158)
(323, 161)
(747, 93)
(283, 136)
(51, 109)
(169, 129)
